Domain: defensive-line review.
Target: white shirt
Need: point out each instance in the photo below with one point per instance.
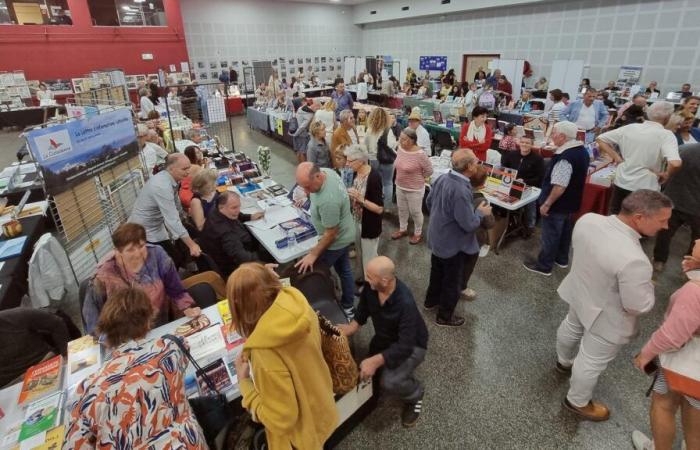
(643, 146)
(557, 108)
(146, 107)
(609, 284)
(586, 118)
(690, 140)
(424, 140)
(362, 90)
(153, 154)
(372, 139)
(182, 144)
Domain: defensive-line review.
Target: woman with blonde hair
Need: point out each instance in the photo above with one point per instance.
(204, 195)
(379, 135)
(292, 395)
(684, 130)
(327, 115)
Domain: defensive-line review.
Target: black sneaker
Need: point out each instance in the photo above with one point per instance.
(411, 413)
(533, 267)
(454, 321)
(563, 266)
(564, 370)
(429, 307)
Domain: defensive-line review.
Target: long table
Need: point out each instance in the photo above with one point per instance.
(25, 117)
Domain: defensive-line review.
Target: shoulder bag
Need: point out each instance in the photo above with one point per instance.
(385, 154)
(212, 411)
(336, 352)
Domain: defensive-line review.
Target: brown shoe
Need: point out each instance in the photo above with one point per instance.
(415, 239)
(594, 411)
(399, 234)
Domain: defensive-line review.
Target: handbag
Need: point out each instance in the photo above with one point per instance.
(385, 154)
(682, 368)
(211, 411)
(336, 352)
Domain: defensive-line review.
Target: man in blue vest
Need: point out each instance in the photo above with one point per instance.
(562, 191)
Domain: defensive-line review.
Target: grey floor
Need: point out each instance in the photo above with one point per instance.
(490, 384)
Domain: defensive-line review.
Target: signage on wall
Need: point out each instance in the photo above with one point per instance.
(433, 63)
(147, 56)
(72, 152)
(629, 75)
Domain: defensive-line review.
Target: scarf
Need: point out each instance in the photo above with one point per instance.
(476, 134)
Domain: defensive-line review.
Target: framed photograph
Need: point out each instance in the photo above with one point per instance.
(234, 64)
(292, 70)
(203, 76)
(244, 63)
(214, 75)
(131, 82)
(200, 65)
(316, 58)
(300, 61)
(283, 60)
(323, 68)
(224, 64)
(337, 59)
(213, 65)
(331, 68)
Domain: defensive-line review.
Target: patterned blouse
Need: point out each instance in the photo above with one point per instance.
(136, 401)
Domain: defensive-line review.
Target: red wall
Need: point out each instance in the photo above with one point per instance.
(48, 52)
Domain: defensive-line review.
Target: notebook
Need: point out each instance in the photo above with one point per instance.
(11, 248)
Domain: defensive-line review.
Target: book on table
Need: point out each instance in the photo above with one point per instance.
(42, 415)
(41, 380)
(84, 359)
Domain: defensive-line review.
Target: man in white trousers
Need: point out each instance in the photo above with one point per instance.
(608, 288)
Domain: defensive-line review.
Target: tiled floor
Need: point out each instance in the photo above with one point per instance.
(491, 384)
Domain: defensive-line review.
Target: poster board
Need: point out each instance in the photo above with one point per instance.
(438, 63)
(566, 75)
(629, 76)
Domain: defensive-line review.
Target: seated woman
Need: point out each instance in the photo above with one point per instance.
(476, 135)
(196, 157)
(136, 263)
(204, 195)
(293, 393)
(137, 399)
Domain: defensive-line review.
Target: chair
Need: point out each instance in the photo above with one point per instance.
(203, 295)
(444, 141)
(209, 278)
(318, 288)
(205, 263)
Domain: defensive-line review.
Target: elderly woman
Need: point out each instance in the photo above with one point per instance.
(476, 135)
(146, 103)
(136, 263)
(367, 201)
(412, 168)
(147, 407)
(204, 196)
(292, 395)
(686, 133)
(318, 151)
(680, 328)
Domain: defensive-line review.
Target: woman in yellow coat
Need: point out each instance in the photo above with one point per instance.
(290, 389)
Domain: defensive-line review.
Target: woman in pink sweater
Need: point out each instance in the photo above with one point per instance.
(412, 167)
(680, 326)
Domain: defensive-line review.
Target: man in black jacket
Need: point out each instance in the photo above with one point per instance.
(226, 239)
(530, 167)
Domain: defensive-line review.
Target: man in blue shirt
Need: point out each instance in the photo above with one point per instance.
(587, 113)
(342, 99)
(451, 236)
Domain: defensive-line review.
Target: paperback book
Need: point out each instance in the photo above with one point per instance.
(42, 415)
(41, 380)
(84, 359)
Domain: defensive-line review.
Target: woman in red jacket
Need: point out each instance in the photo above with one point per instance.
(476, 135)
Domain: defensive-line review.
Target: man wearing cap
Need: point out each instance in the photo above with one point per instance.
(415, 121)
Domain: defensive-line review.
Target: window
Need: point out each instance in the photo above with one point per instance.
(138, 13)
(35, 12)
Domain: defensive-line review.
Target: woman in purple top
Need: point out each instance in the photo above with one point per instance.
(136, 263)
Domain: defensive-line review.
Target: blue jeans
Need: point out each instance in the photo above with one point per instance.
(531, 215)
(556, 240)
(387, 173)
(340, 261)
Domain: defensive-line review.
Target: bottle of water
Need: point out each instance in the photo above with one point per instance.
(291, 239)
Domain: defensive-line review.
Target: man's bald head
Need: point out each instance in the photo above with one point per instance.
(178, 165)
(463, 159)
(382, 267)
(309, 177)
(152, 136)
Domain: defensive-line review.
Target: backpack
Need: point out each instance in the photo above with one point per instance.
(385, 154)
(487, 100)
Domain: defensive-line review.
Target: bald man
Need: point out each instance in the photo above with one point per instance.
(452, 237)
(158, 209)
(401, 337)
(331, 215)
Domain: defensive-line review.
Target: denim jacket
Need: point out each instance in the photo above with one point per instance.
(573, 109)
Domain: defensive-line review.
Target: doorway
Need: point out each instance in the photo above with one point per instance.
(471, 63)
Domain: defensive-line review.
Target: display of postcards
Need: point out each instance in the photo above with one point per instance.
(224, 64)
(283, 60)
(274, 62)
(277, 190)
(244, 63)
(331, 68)
(214, 75)
(308, 60)
(24, 92)
(6, 79)
(337, 59)
(203, 76)
(316, 59)
(59, 86)
(18, 77)
(200, 65)
(213, 65)
(190, 327)
(323, 68)
(259, 195)
(131, 82)
(323, 59)
(300, 61)
(219, 375)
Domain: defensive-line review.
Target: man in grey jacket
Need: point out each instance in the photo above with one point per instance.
(608, 288)
(452, 236)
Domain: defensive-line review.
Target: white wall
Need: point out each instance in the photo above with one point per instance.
(225, 30)
(661, 36)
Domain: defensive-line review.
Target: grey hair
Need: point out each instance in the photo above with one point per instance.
(172, 158)
(143, 91)
(645, 202)
(344, 115)
(660, 111)
(223, 198)
(461, 164)
(411, 134)
(190, 133)
(569, 129)
(356, 151)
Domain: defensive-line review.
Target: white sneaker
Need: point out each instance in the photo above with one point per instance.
(484, 250)
(469, 294)
(641, 441)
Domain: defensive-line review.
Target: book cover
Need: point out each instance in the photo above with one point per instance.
(224, 311)
(206, 343)
(41, 415)
(192, 326)
(49, 440)
(231, 337)
(84, 359)
(219, 375)
(12, 247)
(41, 380)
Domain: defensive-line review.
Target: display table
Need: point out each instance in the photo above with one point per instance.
(257, 120)
(318, 91)
(14, 272)
(596, 199)
(234, 106)
(25, 117)
(268, 238)
(513, 211)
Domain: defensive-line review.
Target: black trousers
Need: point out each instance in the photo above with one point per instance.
(663, 239)
(448, 277)
(618, 196)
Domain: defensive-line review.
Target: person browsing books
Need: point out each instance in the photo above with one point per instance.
(292, 391)
(147, 407)
(226, 239)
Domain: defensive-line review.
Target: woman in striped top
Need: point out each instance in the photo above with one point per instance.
(412, 168)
